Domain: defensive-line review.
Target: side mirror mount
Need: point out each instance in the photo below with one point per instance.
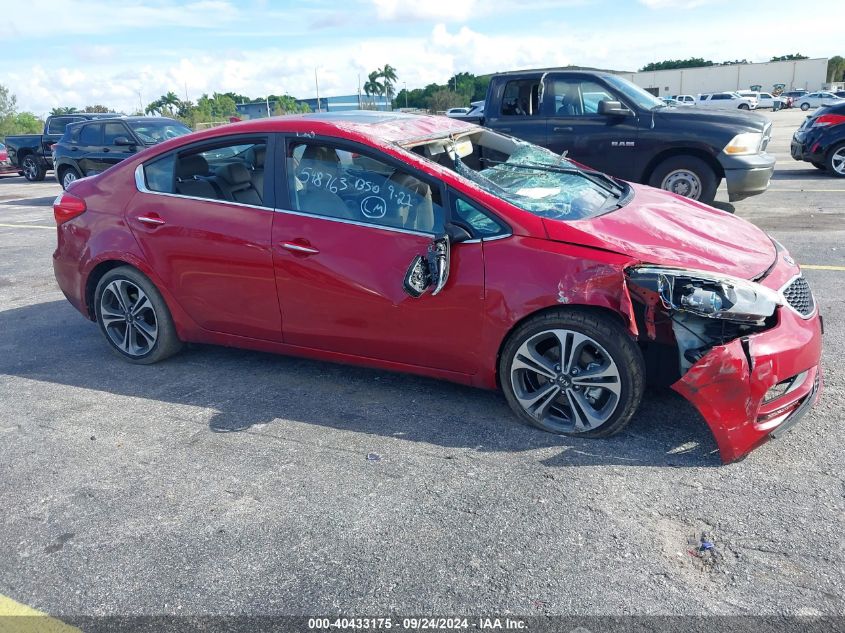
(457, 233)
(429, 271)
(123, 141)
(612, 108)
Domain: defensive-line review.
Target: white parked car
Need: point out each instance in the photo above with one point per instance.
(818, 99)
(456, 112)
(726, 101)
(764, 99)
(684, 100)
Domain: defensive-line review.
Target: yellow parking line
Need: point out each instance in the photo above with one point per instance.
(28, 226)
(19, 618)
(821, 267)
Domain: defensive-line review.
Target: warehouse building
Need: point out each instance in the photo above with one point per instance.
(262, 109)
(809, 74)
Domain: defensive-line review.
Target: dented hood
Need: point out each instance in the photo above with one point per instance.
(659, 227)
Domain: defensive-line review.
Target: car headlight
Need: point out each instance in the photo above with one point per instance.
(745, 143)
(708, 294)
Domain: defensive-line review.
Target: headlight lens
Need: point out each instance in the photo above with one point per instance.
(745, 143)
(708, 294)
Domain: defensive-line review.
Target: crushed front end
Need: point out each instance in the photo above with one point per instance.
(745, 353)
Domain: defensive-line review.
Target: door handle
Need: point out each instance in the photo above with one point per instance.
(152, 220)
(299, 248)
(105, 149)
(562, 129)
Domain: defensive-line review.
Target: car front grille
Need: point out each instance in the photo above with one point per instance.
(799, 297)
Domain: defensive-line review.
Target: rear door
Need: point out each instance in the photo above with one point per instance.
(211, 252)
(605, 143)
(88, 148)
(344, 237)
(518, 109)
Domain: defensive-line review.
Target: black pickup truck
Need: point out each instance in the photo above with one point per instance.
(32, 153)
(614, 126)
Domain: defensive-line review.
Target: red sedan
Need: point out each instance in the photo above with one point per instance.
(433, 246)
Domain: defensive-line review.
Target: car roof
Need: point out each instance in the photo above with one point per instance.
(117, 118)
(389, 127)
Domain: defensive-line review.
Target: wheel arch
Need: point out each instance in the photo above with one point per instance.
(570, 308)
(674, 152)
(94, 278)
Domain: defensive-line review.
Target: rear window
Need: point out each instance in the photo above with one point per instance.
(57, 125)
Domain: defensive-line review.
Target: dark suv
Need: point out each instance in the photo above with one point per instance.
(91, 147)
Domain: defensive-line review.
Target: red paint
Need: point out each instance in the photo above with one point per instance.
(228, 280)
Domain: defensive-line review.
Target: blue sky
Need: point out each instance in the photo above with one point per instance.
(80, 52)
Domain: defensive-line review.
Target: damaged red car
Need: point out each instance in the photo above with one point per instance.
(433, 246)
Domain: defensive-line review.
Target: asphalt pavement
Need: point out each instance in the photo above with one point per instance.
(233, 482)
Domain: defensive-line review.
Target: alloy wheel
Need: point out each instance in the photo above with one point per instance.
(566, 380)
(683, 182)
(30, 168)
(128, 318)
(837, 161)
(68, 177)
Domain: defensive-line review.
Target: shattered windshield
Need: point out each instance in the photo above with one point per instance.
(544, 183)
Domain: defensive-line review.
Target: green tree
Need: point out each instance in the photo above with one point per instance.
(8, 102)
(372, 87)
(836, 68)
(788, 58)
(96, 108)
(27, 123)
(669, 64)
(286, 104)
(442, 100)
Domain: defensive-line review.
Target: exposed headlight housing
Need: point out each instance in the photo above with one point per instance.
(707, 294)
(744, 144)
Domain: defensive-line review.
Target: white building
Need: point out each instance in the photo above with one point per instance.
(809, 74)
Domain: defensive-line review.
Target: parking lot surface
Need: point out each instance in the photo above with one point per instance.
(225, 481)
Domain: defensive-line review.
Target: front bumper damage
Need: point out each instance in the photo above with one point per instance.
(729, 385)
(756, 383)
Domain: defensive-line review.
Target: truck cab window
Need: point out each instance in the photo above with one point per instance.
(521, 98)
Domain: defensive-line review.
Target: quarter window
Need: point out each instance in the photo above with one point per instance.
(480, 222)
(329, 181)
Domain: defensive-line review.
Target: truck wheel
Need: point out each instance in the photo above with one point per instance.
(836, 160)
(33, 171)
(68, 175)
(572, 373)
(686, 176)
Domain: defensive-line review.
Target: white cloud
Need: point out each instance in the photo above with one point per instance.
(675, 4)
(437, 10)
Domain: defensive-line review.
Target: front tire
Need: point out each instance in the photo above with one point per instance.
(687, 176)
(572, 373)
(134, 318)
(835, 162)
(68, 175)
(33, 170)
(744, 106)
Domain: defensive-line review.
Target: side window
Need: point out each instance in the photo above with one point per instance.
(577, 98)
(58, 124)
(480, 222)
(91, 134)
(332, 182)
(228, 172)
(521, 98)
(112, 130)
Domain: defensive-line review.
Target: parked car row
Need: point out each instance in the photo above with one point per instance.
(84, 144)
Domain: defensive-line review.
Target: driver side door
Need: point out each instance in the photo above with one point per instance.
(344, 236)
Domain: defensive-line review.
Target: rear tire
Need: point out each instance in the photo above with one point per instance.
(805, 106)
(134, 318)
(32, 168)
(67, 175)
(687, 176)
(572, 373)
(835, 161)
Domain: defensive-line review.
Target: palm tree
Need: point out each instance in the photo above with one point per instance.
(388, 74)
(170, 101)
(372, 85)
